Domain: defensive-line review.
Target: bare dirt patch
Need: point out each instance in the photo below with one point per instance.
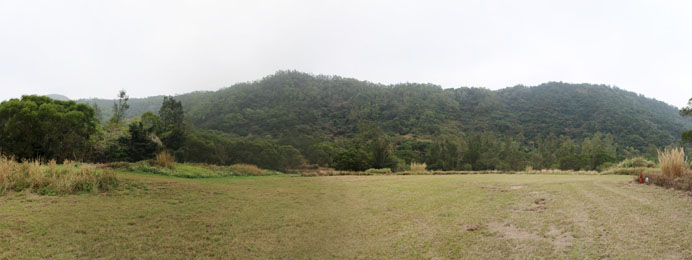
(556, 237)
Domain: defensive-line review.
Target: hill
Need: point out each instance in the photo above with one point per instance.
(290, 103)
(339, 122)
(58, 97)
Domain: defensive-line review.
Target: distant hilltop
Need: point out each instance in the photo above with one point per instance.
(58, 97)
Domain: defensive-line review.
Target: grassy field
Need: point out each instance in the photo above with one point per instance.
(373, 217)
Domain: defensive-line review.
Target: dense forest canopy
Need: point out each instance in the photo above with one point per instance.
(292, 119)
(289, 103)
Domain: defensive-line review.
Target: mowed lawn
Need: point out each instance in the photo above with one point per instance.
(347, 217)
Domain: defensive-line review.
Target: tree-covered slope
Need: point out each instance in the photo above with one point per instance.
(291, 104)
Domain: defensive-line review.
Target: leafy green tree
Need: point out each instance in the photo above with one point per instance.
(120, 107)
(38, 127)
(290, 157)
(373, 140)
(98, 114)
(513, 156)
(352, 160)
(599, 149)
(445, 153)
(687, 111)
(172, 129)
(151, 122)
(138, 145)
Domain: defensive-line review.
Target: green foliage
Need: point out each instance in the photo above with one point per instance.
(171, 123)
(39, 127)
(187, 170)
(138, 146)
(324, 118)
(687, 136)
(219, 148)
(636, 162)
(353, 160)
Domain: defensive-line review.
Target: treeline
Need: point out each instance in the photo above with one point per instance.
(292, 120)
(38, 127)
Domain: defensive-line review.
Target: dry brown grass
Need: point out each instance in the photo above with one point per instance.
(672, 162)
(418, 167)
(164, 159)
(49, 179)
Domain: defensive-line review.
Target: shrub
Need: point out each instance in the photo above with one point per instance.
(242, 169)
(418, 167)
(672, 162)
(164, 159)
(636, 162)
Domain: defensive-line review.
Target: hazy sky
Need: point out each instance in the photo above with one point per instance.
(94, 48)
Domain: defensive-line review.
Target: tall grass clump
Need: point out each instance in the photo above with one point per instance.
(418, 167)
(164, 159)
(672, 162)
(242, 169)
(49, 179)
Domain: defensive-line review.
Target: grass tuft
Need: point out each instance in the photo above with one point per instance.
(672, 162)
(164, 159)
(418, 167)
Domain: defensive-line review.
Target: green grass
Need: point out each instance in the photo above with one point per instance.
(189, 170)
(491, 216)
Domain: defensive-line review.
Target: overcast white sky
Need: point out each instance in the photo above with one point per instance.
(94, 48)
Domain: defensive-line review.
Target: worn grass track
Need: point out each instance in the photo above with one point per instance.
(373, 217)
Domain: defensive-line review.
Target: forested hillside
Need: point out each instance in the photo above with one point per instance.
(290, 103)
(324, 116)
(287, 103)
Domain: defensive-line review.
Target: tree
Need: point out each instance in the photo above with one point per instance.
(172, 129)
(352, 160)
(138, 146)
(97, 112)
(687, 111)
(39, 127)
(120, 107)
(151, 122)
(373, 140)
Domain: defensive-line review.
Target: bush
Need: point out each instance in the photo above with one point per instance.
(164, 159)
(50, 179)
(352, 160)
(636, 162)
(672, 162)
(418, 167)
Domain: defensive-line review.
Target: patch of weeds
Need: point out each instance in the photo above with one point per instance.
(46, 191)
